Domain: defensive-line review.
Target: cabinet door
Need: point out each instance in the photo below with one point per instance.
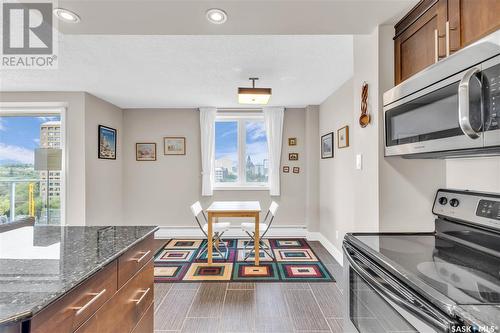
(471, 19)
(422, 43)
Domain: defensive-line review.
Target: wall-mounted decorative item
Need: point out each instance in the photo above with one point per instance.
(286, 169)
(174, 146)
(296, 169)
(364, 119)
(293, 156)
(106, 148)
(292, 141)
(145, 151)
(327, 145)
(343, 137)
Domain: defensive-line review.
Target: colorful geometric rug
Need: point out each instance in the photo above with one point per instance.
(180, 260)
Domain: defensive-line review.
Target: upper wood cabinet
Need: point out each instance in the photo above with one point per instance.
(434, 29)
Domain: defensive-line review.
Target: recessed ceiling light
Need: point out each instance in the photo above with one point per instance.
(216, 16)
(66, 15)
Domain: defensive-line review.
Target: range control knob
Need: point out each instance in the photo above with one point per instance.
(443, 201)
(454, 202)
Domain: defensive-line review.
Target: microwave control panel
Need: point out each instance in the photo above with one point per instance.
(492, 86)
(489, 209)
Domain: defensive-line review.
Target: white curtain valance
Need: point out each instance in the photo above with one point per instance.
(207, 126)
(273, 118)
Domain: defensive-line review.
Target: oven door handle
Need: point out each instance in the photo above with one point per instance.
(435, 318)
(463, 104)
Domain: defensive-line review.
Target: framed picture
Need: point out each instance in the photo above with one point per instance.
(145, 151)
(174, 146)
(292, 141)
(296, 169)
(343, 137)
(286, 169)
(293, 156)
(327, 145)
(106, 143)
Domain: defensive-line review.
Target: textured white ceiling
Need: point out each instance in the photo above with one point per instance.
(191, 71)
(246, 17)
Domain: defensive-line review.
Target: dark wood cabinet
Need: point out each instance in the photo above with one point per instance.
(470, 20)
(118, 298)
(434, 29)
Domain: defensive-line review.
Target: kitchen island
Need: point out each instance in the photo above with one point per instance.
(76, 279)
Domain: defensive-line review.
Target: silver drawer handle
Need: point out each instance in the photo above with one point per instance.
(89, 303)
(144, 293)
(143, 256)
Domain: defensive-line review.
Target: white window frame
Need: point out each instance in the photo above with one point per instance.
(241, 185)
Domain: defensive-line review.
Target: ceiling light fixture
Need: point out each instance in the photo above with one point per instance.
(216, 16)
(254, 95)
(66, 15)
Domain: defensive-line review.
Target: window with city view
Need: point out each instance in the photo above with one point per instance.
(241, 154)
(30, 180)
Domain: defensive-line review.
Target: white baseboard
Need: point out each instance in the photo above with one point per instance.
(317, 236)
(236, 232)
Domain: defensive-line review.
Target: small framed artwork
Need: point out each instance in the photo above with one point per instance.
(292, 141)
(296, 169)
(174, 146)
(343, 137)
(106, 143)
(293, 156)
(327, 145)
(286, 169)
(145, 151)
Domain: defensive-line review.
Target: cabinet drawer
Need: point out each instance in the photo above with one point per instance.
(66, 314)
(133, 259)
(146, 324)
(123, 312)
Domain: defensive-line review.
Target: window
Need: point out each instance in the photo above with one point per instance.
(241, 154)
(26, 190)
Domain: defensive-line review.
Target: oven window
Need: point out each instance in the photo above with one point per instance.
(369, 312)
(432, 116)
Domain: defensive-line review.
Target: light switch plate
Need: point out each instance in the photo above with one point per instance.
(359, 161)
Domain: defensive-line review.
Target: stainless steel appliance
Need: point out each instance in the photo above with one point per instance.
(450, 109)
(446, 281)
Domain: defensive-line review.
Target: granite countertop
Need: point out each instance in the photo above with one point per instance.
(40, 264)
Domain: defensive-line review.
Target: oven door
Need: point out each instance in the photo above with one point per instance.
(447, 115)
(377, 302)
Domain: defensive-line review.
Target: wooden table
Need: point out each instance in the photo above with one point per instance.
(234, 209)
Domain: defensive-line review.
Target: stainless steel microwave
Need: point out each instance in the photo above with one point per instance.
(451, 109)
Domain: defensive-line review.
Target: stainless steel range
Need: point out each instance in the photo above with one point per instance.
(446, 281)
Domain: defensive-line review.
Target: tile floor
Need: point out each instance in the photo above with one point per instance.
(252, 307)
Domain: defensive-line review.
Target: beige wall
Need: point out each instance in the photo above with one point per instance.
(336, 186)
(93, 187)
(103, 177)
(312, 157)
(407, 187)
(480, 174)
(161, 192)
(387, 194)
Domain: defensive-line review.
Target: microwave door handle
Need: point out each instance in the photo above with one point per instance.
(436, 319)
(463, 104)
